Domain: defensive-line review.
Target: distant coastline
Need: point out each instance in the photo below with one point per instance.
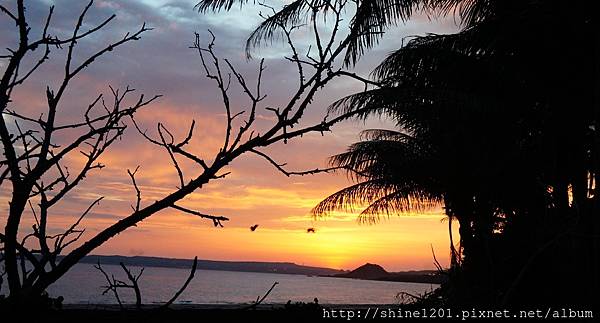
(367, 271)
(243, 266)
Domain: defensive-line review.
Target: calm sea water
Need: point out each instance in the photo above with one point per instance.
(82, 285)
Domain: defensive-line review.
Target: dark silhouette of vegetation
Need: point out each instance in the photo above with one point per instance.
(498, 123)
(517, 171)
(36, 148)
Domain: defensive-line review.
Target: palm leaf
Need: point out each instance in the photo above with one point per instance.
(400, 202)
(348, 198)
(217, 5)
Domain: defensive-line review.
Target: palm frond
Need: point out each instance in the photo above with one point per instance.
(470, 12)
(374, 17)
(380, 158)
(420, 56)
(385, 134)
(398, 102)
(400, 202)
(347, 199)
(370, 21)
(395, 173)
(217, 5)
(415, 108)
(382, 197)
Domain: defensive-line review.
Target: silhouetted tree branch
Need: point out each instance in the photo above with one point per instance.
(111, 285)
(115, 284)
(184, 286)
(280, 168)
(261, 299)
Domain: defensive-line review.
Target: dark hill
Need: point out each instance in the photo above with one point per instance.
(366, 271)
(376, 272)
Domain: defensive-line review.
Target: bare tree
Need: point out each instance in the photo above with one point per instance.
(33, 161)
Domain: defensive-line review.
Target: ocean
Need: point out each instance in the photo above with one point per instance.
(83, 285)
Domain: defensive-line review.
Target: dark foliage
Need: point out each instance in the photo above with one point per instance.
(499, 123)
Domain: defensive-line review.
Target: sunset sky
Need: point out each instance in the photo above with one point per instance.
(254, 193)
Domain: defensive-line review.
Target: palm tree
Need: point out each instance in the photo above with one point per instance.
(499, 122)
(516, 144)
